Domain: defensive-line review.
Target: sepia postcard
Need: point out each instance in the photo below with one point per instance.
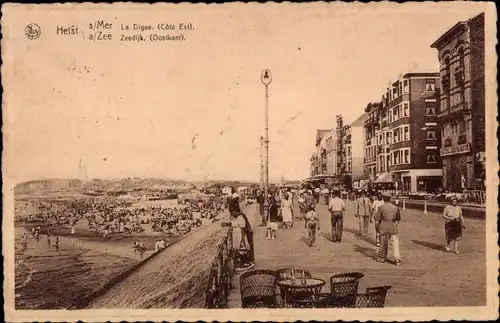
(250, 161)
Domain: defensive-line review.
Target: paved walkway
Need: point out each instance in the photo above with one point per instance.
(428, 276)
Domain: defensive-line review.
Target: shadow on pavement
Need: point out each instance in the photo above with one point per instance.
(305, 240)
(429, 245)
(367, 252)
(326, 236)
(356, 234)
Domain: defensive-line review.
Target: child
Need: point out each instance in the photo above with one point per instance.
(312, 224)
(272, 223)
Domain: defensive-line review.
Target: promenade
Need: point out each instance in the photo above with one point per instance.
(428, 276)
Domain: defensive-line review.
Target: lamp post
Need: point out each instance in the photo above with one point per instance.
(266, 80)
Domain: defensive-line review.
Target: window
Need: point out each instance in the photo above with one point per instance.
(388, 138)
(430, 108)
(407, 156)
(405, 87)
(406, 110)
(431, 157)
(406, 135)
(431, 134)
(400, 90)
(430, 85)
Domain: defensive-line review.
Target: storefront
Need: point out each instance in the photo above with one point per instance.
(419, 180)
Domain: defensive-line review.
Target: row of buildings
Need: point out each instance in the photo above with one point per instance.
(426, 132)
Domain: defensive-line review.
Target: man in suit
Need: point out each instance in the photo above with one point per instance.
(363, 213)
(387, 217)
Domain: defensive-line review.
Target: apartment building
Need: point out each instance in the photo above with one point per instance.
(461, 104)
(355, 148)
(331, 152)
(401, 134)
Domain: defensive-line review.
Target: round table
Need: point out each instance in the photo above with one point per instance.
(306, 292)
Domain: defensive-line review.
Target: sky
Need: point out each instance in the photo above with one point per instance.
(195, 110)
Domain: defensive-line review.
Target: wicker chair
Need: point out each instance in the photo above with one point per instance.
(344, 288)
(258, 289)
(374, 297)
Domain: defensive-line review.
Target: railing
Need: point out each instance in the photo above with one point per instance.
(370, 159)
(456, 109)
(221, 272)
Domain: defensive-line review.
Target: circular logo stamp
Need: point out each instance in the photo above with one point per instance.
(32, 31)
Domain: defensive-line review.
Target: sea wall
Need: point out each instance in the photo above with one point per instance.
(178, 277)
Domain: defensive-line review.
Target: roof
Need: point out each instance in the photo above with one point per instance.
(420, 74)
(359, 122)
(320, 133)
(457, 28)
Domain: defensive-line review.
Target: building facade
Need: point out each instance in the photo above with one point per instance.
(401, 134)
(331, 152)
(462, 104)
(318, 160)
(355, 148)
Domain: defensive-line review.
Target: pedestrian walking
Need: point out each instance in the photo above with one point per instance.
(337, 208)
(312, 224)
(260, 201)
(310, 201)
(272, 223)
(57, 244)
(454, 223)
(326, 194)
(379, 201)
(286, 211)
(363, 213)
(302, 207)
(388, 216)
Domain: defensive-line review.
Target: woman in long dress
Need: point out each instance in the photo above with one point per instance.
(286, 211)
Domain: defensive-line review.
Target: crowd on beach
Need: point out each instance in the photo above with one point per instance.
(106, 217)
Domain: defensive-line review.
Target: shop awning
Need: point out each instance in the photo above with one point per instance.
(384, 178)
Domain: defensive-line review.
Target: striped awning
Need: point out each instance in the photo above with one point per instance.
(384, 178)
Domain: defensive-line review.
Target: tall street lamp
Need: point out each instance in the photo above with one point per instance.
(266, 80)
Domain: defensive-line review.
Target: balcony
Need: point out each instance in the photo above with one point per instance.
(370, 160)
(445, 81)
(458, 110)
(399, 167)
(459, 74)
(370, 121)
(455, 150)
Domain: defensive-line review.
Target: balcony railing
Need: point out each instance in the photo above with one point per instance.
(370, 121)
(456, 110)
(454, 150)
(370, 160)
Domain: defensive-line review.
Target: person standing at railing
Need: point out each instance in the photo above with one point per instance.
(454, 223)
(240, 220)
